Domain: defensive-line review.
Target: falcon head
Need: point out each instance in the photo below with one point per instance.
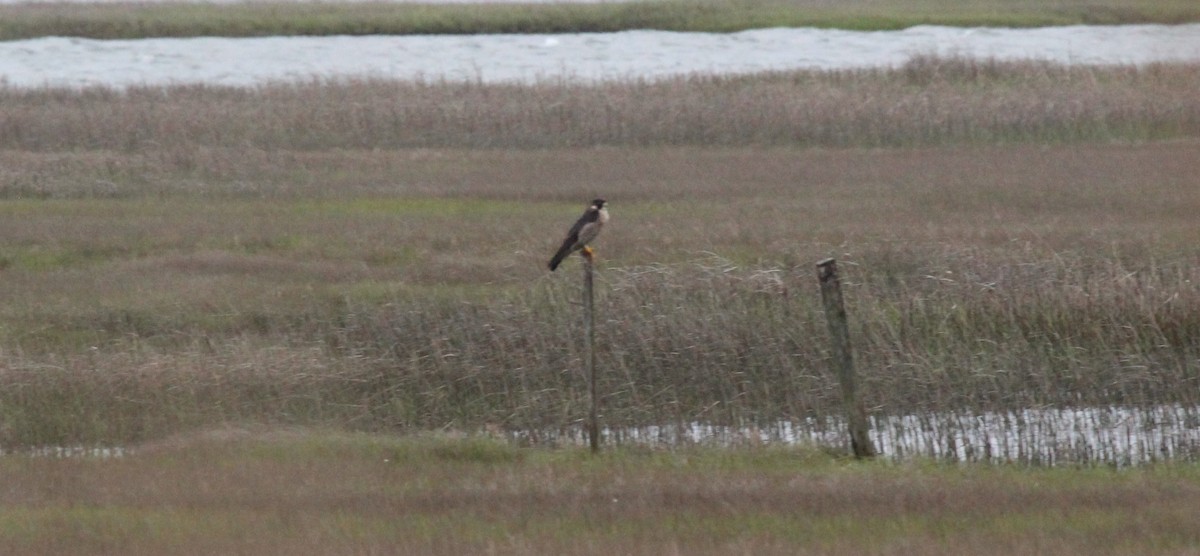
(598, 204)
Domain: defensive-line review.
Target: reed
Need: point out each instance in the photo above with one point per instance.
(928, 101)
(705, 342)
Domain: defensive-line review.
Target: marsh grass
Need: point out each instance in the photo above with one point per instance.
(928, 101)
(978, 280)
(339, 254)
(179, 19)
(703, 342)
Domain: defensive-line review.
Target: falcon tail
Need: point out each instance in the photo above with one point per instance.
(559, 256)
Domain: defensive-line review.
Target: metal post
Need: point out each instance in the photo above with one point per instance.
(589, 327)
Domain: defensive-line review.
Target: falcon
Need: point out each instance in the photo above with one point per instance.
(583, 232)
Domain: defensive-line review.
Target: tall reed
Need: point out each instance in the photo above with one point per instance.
(707, 342)
(928, 101)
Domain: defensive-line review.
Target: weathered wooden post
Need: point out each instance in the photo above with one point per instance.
(843, 363)
(589, 350)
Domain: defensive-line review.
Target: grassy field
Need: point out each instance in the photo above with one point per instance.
(151, 19)
(318, 315)
(305, 492)
(359, 255)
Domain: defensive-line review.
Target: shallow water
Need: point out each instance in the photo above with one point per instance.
(1115, 436)
(524, 58)
(61, 452)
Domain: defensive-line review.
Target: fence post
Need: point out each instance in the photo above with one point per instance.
(589, 352)
(843, 363)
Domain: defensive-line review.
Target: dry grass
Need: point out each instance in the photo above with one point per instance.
(929, 101)
(296, 492)
(262, 18)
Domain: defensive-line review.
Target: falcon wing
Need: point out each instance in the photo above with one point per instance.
(572, 241)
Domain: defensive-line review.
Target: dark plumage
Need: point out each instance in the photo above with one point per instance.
(583, 232)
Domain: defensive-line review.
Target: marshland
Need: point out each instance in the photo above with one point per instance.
(258, 289)
(370, 254)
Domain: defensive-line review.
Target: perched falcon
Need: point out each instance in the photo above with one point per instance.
(583, 232)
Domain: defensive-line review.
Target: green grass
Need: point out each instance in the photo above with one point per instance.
(301, 491)
(419, 208)
(137, 20)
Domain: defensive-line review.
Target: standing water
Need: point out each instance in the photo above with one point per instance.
(1116, 436)
(75, 62)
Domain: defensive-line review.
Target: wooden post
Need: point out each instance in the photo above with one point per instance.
(589, 350)
(843, 363)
